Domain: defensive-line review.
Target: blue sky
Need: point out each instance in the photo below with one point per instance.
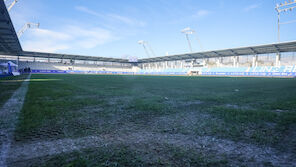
(111, 28)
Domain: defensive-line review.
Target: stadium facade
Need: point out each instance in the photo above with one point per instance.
(269, 60)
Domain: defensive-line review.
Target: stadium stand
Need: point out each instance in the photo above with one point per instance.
(42, 67)
(245, 65)
(275, 60)
(249, 61)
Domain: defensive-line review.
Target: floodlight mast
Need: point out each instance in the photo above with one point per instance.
(141, 42)
(25, 27)
(284, 7)
(188, 31)
(151, 50)
(145, 45)
(11, 5)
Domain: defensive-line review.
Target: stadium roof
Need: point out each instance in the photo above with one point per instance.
(9, 43)
(242, 51)
(74, 57)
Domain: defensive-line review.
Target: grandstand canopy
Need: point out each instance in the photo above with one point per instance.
(9, 43)
(242, 51)
(73, 57)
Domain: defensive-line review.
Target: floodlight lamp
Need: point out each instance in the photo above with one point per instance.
(190, 32)
(141, 42)
(186, 30)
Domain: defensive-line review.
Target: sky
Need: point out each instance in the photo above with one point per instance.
(112, 28)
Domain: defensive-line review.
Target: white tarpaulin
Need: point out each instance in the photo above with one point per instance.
(11, 64)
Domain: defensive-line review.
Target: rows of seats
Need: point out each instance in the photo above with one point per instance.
(272, 69)
(252, 69)
(65, 67)
(249, 71)
(43, 66)
(169, 71)
(224, 69)
(165, 70)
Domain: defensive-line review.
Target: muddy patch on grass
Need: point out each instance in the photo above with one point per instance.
(278, 111)
(288, 142)
(91, 109)
(189, 103)
(119, 103)
(102, 118)
(86, 97)
(186, 122)
(182, 104)
(236, 153)
(234, 106)
(40, 134)
(242, 153)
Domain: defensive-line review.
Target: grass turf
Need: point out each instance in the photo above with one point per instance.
(8, 85)
(260, 111)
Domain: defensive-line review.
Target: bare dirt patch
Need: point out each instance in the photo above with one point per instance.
(237, 153)
(280, 111)
(181, 104)
(288, 142)
(186, 122)
(234, 106)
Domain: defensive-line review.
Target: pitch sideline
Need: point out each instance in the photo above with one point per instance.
(9, 114)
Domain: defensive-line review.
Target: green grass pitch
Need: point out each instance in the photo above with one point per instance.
(257, 111)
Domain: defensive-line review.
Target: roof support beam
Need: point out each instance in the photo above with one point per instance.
(218, 54)
(5, 28)
(204, 56)
(5, 34)
(278, 50)
(254, 52)
(4, 21)
(233, 52)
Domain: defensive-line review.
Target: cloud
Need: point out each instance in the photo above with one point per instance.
(251, 7)
(48, 34)
(127, 20)
(70, 37)
(90, 38)
(202, 13)
(44, 46)
(112, 17)
(88, 11)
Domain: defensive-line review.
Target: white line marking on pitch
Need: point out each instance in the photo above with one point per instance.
(9, 115)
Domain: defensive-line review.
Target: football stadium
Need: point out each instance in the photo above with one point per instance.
(214, 107)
